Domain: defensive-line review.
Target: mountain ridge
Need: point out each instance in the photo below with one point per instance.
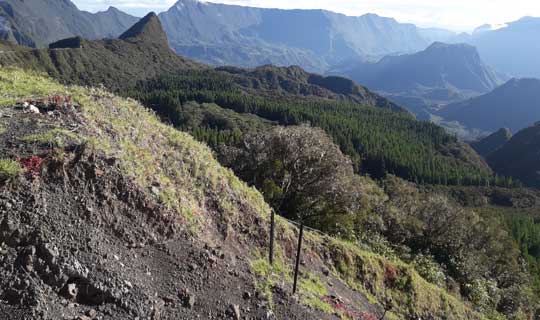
(518, 157)
(38, 23)
(314, 39)
(439, 74)
(515, 105)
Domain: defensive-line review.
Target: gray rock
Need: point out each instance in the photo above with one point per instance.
(234, 311)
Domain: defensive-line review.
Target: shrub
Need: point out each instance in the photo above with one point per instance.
(9, 169)
(429, 269)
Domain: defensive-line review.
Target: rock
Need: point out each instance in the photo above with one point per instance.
(72, 291)
(83, 318)
(326, 271)
(169, 299)
(234, 311)
(270, 315)
(91, 313)
(188, 299)
(33, 109)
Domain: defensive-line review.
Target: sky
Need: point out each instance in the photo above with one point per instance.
(457, 15)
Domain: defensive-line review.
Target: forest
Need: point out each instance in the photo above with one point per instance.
(379, 141)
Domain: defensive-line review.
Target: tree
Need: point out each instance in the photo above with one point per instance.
(299, 170)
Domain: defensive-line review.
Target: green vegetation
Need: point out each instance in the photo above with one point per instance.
(100, 62)
(313, 292)
(56, 138)
(526, 231)
(269, 276)
(9, 169)
(480, 261)
(16, 85)
(379, 141)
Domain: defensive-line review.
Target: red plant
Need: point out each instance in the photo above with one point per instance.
(367, 316)
(340, 307)
(390, 274)
(32, 165)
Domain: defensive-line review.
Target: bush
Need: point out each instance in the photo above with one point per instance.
(429, 269)
(9, 169)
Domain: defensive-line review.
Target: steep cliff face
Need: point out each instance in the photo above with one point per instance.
(38, 23)
(314, 39)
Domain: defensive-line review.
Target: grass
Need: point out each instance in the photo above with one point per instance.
(183, 175)
(16, 85)
(313, 291)
(9, 169)
(56, 137)
(367, 272)
(269, 276)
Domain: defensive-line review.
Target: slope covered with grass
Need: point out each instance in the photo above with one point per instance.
(214, 206)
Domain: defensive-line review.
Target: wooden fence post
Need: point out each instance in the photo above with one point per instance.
(272, 232)
(298, 256)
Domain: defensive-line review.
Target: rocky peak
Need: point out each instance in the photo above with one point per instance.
(148, 29)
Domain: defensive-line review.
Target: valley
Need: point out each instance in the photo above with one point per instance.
(143, 161)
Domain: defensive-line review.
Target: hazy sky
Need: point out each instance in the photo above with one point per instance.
(461, 15)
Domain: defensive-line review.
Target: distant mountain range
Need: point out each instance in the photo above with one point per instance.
(514, 105)
(513, 49)
(441, 74)
(37, 23)
(314, 39)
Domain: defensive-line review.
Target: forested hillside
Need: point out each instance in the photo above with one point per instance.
(115, 63)
(379, 141)
(378, 135)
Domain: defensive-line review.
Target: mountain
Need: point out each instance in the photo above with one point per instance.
(441, 73)
(221, 34)
(493, 142)
(512, 49)
(375, 132)
(519, 156)
(109, 213)
(294, 81)
(514, 105)
(37, 23)
(142, 52)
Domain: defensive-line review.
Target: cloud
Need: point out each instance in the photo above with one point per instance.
(453, 14)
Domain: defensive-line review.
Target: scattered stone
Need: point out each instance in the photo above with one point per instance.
(234, 311)
(72, 291)
(247, 295)
(326, 271)
(33, 109)
(91, 313)
(187, 298)
(270, 315)
(169, 299)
